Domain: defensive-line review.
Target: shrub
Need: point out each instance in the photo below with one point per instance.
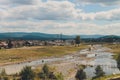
(27, 73)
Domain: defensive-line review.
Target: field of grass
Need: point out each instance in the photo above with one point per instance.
(115, 48)
(108, 77)
(36, 52)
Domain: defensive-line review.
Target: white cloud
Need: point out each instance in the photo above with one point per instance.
(31, 2)
(19, 2)
(39, 16)
(55, 10)
(58, 27)
(101, 2)
(104, 15)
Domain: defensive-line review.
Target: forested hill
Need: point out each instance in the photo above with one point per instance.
(33, 36)
(45, 36)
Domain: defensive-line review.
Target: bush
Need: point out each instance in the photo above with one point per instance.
(27, 73)
(118, 62)
(5, 78)
(60, 76)
(99, 72)
(46, 74)
(80, 75)
(3, 72)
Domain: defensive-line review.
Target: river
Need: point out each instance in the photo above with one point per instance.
(101, 56)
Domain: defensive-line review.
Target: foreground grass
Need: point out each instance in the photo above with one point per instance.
(108, 77)
(27, 71)
(36, 52)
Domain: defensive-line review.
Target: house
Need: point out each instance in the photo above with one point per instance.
(3, 45)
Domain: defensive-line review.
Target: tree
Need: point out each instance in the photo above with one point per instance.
(3, 72)
(118, 62)
(52, 76)
(99, 72)
(3, 75)
(80, 75)
(46, 70)
(10, 45)
(27, 73)
(45, 43)
(5, 78)
(77, 40)
(42, 75)
(46, 74)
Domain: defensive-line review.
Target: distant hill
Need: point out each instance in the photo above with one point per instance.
(110, 38)
(91, 36)
(43, 36)
(32, 36)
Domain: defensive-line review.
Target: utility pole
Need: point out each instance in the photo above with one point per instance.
(57, 37)
(61, 36)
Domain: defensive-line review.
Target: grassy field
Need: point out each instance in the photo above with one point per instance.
(115, 48)
(108, 77)
(30, 53)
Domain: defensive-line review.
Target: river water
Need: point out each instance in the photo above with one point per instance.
(103, 58)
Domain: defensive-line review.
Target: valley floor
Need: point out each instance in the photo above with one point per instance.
(25, 54)
(67, 61)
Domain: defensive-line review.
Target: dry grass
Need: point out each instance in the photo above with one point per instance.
(115, 48)
(31, 53)
(108, 77)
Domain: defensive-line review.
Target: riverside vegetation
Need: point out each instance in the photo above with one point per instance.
(46, 73)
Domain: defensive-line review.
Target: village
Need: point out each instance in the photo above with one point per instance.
(7, 44)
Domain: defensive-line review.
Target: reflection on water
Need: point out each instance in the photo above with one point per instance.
(104, 59)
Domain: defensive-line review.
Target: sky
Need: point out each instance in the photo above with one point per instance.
(69, 17)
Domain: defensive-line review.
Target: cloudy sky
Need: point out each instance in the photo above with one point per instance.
(61, 16)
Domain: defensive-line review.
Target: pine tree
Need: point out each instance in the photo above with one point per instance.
(45, 74)
(27, 73)
(3, 72)
(77, 40)
(80, 75)
(10, 45)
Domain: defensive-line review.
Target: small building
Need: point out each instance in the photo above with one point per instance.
(69, 42)
(3, 45)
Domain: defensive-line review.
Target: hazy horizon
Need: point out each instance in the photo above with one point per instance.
(65, 34)
(69, 17)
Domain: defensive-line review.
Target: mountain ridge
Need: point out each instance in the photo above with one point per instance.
(42, 36)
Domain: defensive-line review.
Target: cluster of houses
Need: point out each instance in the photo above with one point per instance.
(22, 43)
